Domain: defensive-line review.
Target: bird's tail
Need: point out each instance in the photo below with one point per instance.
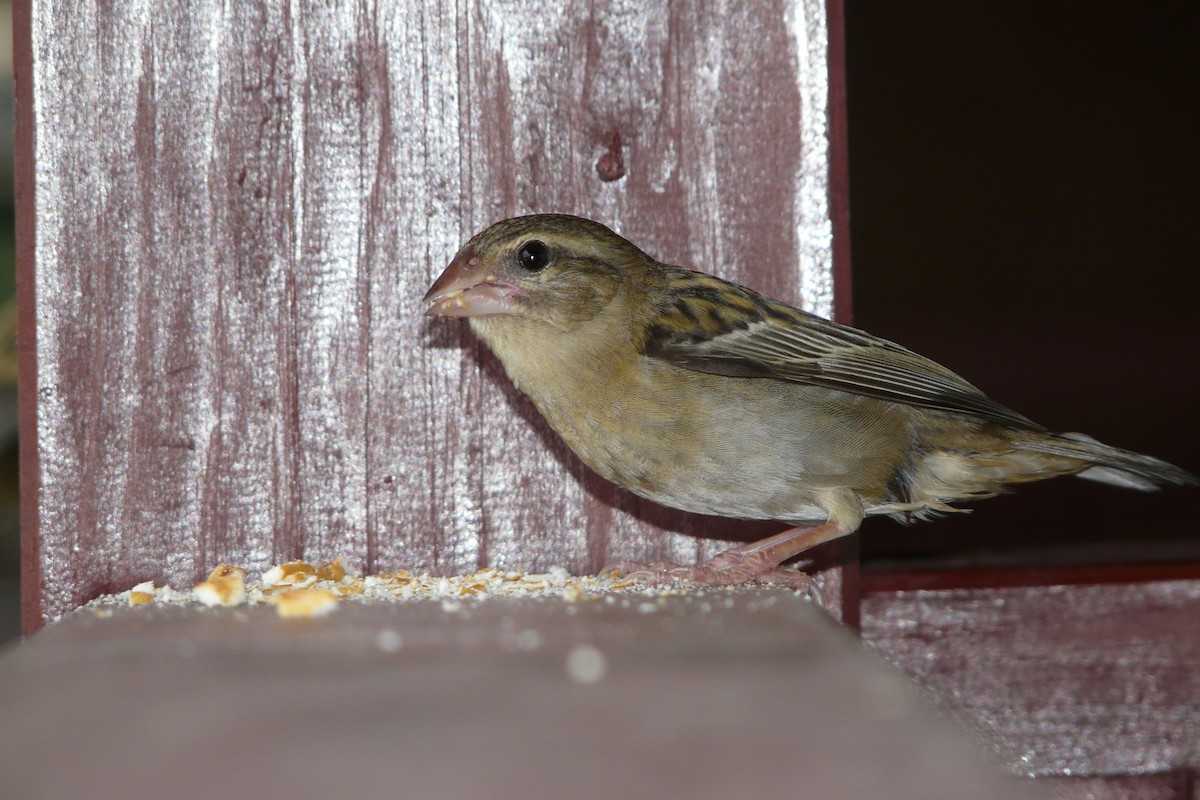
(1111, 464)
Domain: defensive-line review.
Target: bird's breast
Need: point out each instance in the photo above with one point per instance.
(711, 444)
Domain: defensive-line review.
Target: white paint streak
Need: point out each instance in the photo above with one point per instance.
(814, 227)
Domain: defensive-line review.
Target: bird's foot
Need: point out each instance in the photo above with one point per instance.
(757, 561)
(724, 569)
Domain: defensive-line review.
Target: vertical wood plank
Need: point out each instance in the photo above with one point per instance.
(1086, 680)
(28, 387)
(238, 208)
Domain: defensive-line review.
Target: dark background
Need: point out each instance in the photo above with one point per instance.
(1023, 182)
(1023, 196)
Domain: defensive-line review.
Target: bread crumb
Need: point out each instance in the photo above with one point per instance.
(304, 603)
(332, 570)
(142, 594)
(140, 598)
(225, 587)
(229, 585)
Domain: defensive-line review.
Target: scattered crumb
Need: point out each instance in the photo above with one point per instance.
(142, 594)
(308, 589)
(303, 574)
(225, 586)
(304, 603)
(226, 571)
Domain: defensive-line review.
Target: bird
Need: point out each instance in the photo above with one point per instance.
(707, 396)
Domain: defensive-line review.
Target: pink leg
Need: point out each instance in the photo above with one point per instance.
(757, 561)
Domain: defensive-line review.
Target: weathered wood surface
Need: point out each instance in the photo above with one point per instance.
(237, 207)
(1098, 680)
(746, 694)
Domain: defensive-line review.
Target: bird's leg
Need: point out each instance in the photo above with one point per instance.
(757, 561)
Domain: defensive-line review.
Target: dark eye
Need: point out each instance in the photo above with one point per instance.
(534, 256)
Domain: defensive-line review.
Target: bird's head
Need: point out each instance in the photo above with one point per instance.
(552, 268)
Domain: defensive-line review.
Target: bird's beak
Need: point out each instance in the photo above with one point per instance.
(468, 288)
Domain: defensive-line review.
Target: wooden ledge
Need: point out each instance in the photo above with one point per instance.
(750, 693)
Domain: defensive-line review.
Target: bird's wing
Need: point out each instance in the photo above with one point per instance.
(705, 324)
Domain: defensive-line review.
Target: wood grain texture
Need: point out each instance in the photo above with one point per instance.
(1068, 680)
(237, 207)
(708, 696)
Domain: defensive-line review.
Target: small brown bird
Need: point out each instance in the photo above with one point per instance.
(709, 397)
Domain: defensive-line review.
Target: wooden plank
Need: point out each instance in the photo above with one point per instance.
(238, 208)
(1068, 680)
(24, 183)
(725, 694)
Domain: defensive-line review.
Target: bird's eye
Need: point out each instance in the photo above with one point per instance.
(534, 256)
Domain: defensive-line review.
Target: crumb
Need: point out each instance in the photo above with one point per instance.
(305, 603)
(330, 582)
(142, 594)
(291, 573)
(225, 586)
(332, 571)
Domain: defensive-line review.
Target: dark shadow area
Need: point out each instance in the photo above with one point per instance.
(1023, 210)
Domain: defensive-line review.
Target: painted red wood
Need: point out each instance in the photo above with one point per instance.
(236, 208)
(878, 580)
(1169, 786)
(742, 694)
(1096, 680)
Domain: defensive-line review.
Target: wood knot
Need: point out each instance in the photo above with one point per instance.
(611, 165)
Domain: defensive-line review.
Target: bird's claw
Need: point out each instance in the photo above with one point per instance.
(725, 569)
